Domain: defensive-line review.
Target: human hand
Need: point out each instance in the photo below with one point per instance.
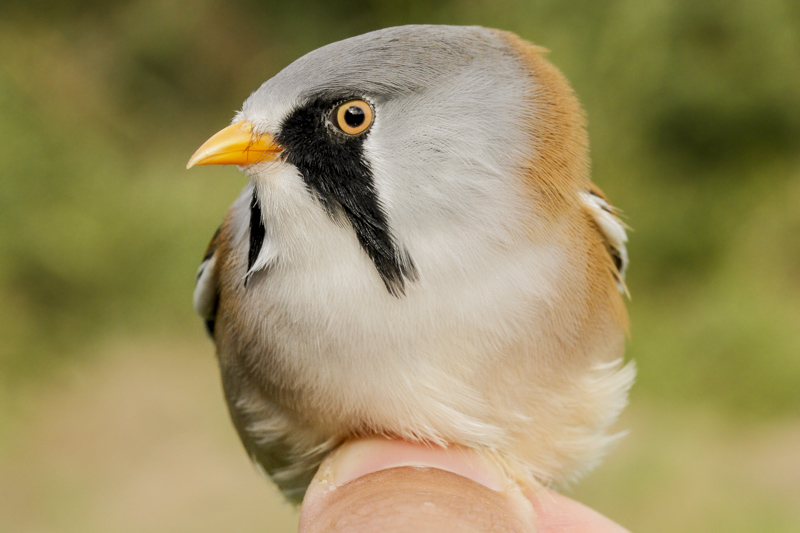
(377, 484)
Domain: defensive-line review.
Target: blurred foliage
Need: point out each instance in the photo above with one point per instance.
(694, 114)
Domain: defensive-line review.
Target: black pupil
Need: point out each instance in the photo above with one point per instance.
(354, 116)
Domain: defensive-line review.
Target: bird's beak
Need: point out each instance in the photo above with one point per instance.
(236, 145)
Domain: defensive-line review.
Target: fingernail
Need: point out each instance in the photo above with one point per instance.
(364, 456)
(357, 458)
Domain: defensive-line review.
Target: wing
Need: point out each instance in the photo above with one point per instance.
(243, 223)
(206, 289)
(612, 229)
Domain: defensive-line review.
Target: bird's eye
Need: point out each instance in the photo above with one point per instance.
(353, 117)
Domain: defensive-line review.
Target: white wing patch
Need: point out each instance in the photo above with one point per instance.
(206, 288)
(613, 229)
(206, 292)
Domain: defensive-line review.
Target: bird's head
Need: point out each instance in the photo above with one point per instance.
(420, 137)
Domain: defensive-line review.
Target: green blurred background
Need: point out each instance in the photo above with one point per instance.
(111, 417)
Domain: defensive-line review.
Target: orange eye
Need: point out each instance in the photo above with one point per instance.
(354, 117)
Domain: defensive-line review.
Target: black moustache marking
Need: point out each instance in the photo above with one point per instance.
(257, 232)
(335, 170)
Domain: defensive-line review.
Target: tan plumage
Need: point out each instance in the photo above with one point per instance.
(449, 274)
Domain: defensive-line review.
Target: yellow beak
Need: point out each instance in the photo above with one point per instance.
(236, 145)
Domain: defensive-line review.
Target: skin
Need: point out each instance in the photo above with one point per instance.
(378, 484)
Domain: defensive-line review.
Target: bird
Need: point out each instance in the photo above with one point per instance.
(419, 253)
